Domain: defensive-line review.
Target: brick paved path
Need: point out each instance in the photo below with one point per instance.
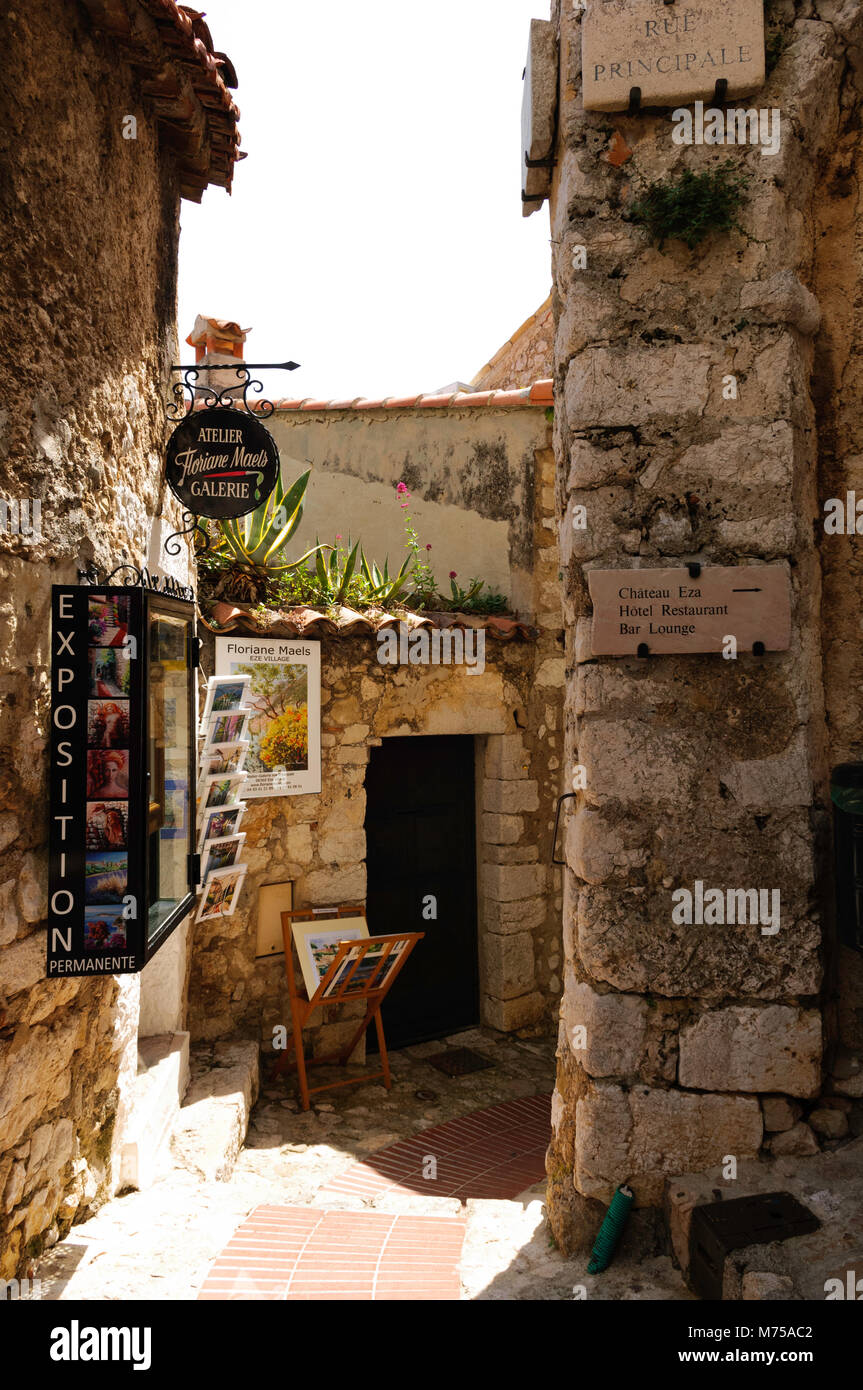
(311, 1253)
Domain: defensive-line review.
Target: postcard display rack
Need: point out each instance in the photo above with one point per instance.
(222, 752)
(340, 962)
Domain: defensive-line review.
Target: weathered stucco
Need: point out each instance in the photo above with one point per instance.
(471, 474)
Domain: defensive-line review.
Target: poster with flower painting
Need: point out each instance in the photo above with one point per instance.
(283, 702)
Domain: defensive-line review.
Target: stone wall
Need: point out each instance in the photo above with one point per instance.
(674, 1038)
(526, 357)
(317, 842)
(88, 284)
(465, 467)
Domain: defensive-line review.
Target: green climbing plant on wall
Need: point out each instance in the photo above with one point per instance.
(688, 209)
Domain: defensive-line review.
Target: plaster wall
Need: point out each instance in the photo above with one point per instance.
(471, 475)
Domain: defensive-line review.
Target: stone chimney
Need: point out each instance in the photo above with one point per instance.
(217, 342)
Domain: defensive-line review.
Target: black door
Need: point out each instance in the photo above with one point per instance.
(421, 852)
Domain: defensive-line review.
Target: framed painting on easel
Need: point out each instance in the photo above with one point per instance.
(317, 945)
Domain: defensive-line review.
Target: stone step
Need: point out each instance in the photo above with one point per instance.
(160, 1085)
(829, 1184)
(210, 1129)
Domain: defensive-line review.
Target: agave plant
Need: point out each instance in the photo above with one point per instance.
(383, 588)
(334, 575)
(250, 549)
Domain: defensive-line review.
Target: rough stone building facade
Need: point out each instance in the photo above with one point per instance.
(702, 1042)
(111, 112)
(480, 468)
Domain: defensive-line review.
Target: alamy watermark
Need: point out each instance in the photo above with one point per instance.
(21, 517)
(450, 646)
(19, 1290)
(77, 1343)
(717, 907)
(731, 126)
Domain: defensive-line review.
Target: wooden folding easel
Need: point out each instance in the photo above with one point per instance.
(336, 987)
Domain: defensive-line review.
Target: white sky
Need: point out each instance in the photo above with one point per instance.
(375, 232)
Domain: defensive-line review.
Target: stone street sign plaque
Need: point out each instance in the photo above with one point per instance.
(674, 53)
(669, 611)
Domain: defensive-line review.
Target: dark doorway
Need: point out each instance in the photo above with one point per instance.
(420, 843)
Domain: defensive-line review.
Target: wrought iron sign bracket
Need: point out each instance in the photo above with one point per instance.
(189, 393)
(178, 406)
(130, 577)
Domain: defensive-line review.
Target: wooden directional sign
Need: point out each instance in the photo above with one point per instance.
(671, 53)
(668, 611)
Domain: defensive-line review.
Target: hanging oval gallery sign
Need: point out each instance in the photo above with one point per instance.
(221, 462)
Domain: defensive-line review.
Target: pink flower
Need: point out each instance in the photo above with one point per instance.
(452, 574)
(338, 538)
(400, 487)
(428, 547)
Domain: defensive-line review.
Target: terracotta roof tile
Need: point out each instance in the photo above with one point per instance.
(396, 402)
(222, 617)
(540, 394)
(170, 48)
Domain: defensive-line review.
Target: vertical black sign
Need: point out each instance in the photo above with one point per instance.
(95, 874)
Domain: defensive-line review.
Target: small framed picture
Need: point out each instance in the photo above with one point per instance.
(107, 825)
(225, 693)
(220, 854)
(223, 758)
(108, 620)
(219, 824)
(108, 774)
(108, 723)
(106, 876)
(220, 894)
(226, 728)
(220, 791)
(318, 944)
(104, 928)
(110, 672)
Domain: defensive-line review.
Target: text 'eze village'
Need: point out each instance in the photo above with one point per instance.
(431, 825)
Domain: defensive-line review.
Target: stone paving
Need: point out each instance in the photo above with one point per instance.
(162, 1242)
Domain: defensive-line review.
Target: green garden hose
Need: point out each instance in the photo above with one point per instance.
(611, 1230)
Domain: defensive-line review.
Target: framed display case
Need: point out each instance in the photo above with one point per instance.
(123, 858)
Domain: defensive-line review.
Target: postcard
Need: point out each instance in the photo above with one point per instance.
(220, 854)
(220, 894)
(220, 791)
(222, 758)
(225, 694)
(219, 824)
(226, 728)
